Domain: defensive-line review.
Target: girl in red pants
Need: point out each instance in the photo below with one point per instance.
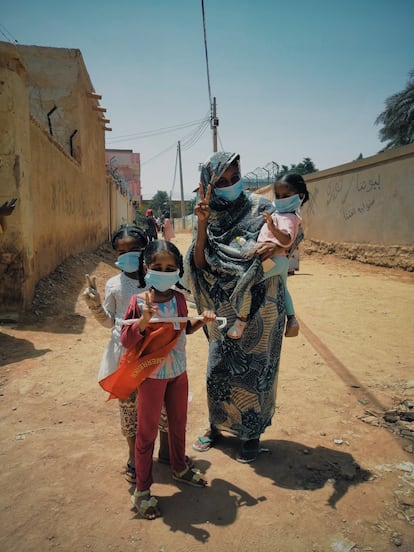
(161, 266)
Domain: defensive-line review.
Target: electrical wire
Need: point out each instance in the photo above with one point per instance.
(158, 154)
(155, 132)
(196, 136)
(7, 34)
(221, 143)
(187, 142)
(175, 174)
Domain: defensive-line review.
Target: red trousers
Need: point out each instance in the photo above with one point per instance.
(152, 393)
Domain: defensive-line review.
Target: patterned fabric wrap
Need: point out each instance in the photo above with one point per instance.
(128, 415)
(241, 374)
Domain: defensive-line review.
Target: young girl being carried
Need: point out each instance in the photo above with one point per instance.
(165, 372)
(281, 228)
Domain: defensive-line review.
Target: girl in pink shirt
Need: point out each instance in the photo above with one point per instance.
(166, 380)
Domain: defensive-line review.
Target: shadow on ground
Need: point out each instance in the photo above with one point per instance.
(293, 465)
(287, 464)
(13, 349)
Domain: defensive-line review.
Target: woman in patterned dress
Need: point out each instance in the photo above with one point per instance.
(241, 374)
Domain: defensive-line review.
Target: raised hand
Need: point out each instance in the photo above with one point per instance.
(269, 221)
(202, 207)
(91, 293)
(149, 309)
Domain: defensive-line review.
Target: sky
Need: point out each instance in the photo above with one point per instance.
(292, 79)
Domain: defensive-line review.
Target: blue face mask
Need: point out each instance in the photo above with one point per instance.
(161, 280)
(231, 193)
(128, 262)
(288, 204)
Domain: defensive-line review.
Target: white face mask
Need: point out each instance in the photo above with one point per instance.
(230, 193)
(289, 204)
(161, 280)
(128, 262)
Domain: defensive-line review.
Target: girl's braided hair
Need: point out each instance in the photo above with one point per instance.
(135, 232)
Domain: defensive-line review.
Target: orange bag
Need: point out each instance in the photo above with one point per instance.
(139, 362)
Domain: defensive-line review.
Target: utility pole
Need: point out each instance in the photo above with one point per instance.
(214, 124)
(181, 185)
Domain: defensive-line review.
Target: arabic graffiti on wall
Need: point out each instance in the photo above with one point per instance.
(354, 195)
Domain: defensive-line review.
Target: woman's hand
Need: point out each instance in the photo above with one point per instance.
(266, 250)
(202, 208)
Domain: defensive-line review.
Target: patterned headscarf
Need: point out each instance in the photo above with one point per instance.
(216, 165)
(212, 170)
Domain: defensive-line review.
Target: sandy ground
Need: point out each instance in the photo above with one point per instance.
(337, 478)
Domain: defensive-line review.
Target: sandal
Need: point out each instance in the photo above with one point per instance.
(166, 460)
(205, 442)
(248, 451)
(130, 474)
(292, 327)
(190, 476)
(145, 504)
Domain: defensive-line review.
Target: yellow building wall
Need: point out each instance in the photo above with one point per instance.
(69, 205)
(63, 199)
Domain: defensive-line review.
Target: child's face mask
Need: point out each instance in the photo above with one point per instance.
(128, 262)
(288, 204)
(161, 280)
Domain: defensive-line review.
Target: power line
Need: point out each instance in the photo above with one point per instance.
(221, 143)
(195, 137)
(7, 34)
(189, 141)
(175, 173)
(158, 155)
(156, 132)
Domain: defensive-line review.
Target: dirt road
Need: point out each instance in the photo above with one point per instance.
(337, 477)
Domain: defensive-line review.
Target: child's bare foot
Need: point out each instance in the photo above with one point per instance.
(236, 331)
(292, 327)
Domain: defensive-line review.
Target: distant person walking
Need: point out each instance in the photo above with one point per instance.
(152, 226)
(168, 230)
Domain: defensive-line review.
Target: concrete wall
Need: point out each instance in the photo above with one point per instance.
(369, 201)
(16, 245)
(69, 205)
(363, 210)
(63, 199)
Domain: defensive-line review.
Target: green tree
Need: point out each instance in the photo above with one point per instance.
(398, 117)
(304, 167)
(140, 217)
(160, 202)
